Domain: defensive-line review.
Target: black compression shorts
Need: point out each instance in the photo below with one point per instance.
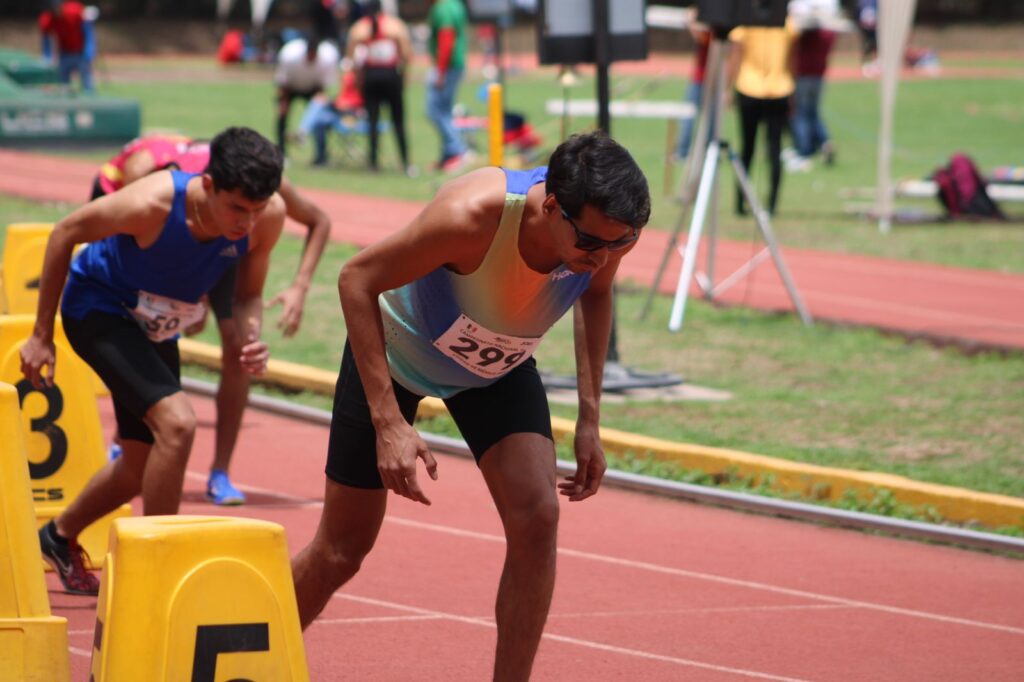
(516, 403)
(138, 372)
(222, 295)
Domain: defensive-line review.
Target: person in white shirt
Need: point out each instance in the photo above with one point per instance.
(304, 69)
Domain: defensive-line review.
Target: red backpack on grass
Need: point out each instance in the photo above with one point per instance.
(962, 190)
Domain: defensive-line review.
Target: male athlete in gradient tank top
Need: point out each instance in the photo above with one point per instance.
(454, 306)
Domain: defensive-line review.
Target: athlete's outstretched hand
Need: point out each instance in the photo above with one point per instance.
(292, 300)
(398, 448)
(590, 465)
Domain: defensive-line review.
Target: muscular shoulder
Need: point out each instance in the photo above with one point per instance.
(473, 202)
(151, 195)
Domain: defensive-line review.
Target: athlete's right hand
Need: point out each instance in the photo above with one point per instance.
(37, 355)
(398, 448)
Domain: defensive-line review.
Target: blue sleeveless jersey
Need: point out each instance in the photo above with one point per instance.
(503, 295)
(109, 274)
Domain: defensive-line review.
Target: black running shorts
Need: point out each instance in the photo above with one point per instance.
(516, 403)
(138, 372)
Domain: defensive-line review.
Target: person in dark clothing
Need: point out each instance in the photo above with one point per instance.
(762, 63)
(380, 46)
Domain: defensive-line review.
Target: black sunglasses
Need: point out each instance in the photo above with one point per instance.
(588, 242)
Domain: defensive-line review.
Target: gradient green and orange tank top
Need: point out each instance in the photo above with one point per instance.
(447, 332)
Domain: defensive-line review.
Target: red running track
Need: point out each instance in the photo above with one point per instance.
(970, 307)
(647, 588)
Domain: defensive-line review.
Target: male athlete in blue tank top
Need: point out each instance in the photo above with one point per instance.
(149, 154)
(454, 306)
(153, 249)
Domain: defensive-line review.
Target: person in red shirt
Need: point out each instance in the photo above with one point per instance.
(70, 25)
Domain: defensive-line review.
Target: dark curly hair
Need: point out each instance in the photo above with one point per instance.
(242, 159)
(594, 169)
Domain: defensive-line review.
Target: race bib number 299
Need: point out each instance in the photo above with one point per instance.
(483, 352)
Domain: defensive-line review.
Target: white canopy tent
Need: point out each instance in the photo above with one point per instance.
(894, 20)
(259, 9)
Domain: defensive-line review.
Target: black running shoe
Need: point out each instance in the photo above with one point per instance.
(68, 559)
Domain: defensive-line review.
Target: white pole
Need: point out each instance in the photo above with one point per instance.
(700, 211)
(894, 19)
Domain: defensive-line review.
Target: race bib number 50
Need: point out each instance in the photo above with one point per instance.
(483, 352)
(162, 317)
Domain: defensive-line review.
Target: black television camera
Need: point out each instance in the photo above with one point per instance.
(724, 14)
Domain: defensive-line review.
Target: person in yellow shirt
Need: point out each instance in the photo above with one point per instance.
(762, 62)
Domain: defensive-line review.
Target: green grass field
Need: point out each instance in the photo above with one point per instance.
(935, 118)
(830, 395)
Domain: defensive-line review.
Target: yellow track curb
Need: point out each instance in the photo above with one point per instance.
(807, 480)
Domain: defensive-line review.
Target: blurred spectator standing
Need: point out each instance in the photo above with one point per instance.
(70, 25)
(867, 23)
(305, 68)
(812, 52)
(762, 61)
(449, 26)
(695, 89)
(386, 49)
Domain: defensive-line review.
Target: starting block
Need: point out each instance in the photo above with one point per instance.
(24, 248)
(197, 598)
(33, 643)
(22, 265)
(64, 439)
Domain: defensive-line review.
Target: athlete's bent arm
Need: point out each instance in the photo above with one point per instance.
(592, 322)
(252, 273)
(453, 230)
(139, 211)
(293, 299)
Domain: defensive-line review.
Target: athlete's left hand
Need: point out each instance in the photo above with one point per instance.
(293, 300)
(590, 464)
(255, 355)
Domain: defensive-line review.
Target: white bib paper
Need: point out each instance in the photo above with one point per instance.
(161, 317)
(483, 352)
(381, 52)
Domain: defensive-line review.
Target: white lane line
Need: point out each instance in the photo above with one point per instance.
(669, 570)
(80, 652)
(378, 619)
(734, 582)
(572, 640)
(722, 609)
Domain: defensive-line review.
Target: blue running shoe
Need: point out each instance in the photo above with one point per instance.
(220, 490)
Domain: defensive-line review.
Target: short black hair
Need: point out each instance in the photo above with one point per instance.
(242, 159)
(594, 169)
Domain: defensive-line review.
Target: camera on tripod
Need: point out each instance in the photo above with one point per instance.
(727, 14)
